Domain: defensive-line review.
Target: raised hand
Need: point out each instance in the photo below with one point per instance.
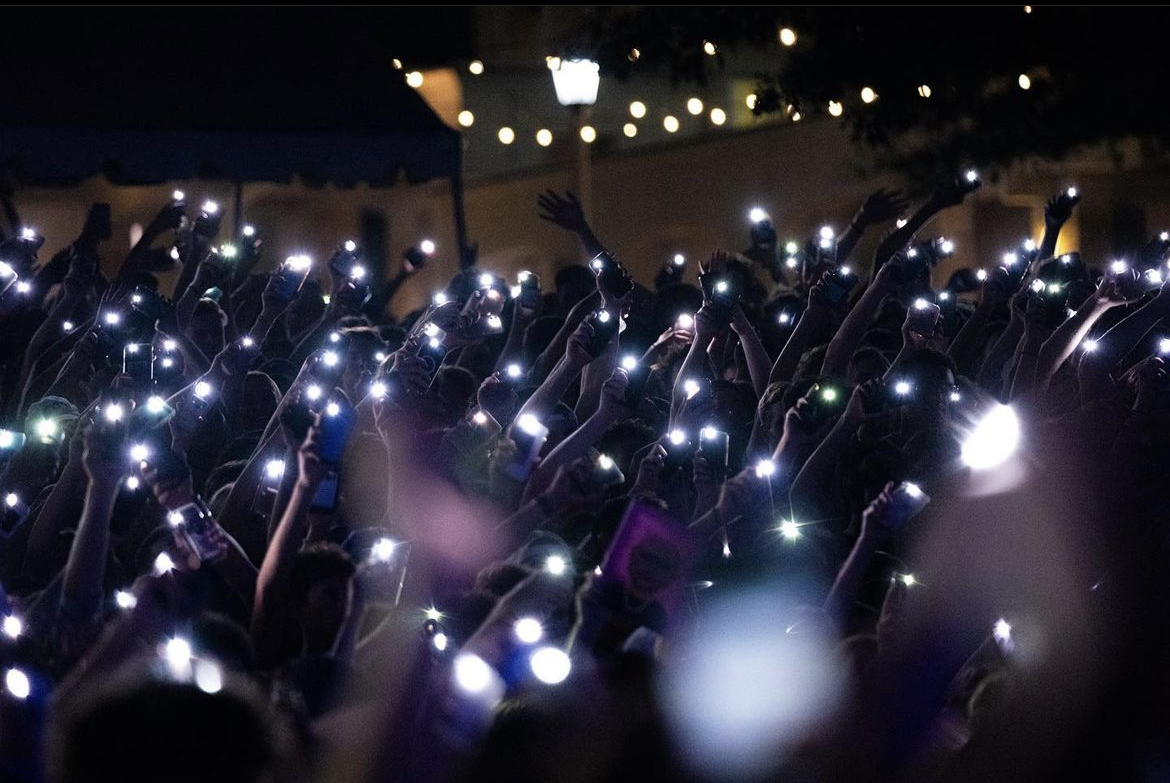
(1059, 209)
(497, 398)
(564, 211)
(649, 470)
(880, 206)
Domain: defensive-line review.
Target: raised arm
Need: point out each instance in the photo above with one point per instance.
(880, 206)
(848, 337)
(566, 211)
(1056, 214)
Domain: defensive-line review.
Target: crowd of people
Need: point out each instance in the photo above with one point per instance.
(811, 516)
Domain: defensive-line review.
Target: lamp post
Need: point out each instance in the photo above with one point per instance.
(576, 83)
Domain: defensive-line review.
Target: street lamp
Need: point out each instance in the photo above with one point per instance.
(576, 83)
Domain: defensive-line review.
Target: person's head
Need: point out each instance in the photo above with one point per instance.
(321, 594)
(865, 365)
(207, 326)
(931, 375)
(574, 283)
(255, 406)
(135, 728)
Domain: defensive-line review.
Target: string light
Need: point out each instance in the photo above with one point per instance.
(630, 129)
(506, 135)
(924, 90)
(695, 106)
(588, 134)
(476, 67)
(637, 110)
(718, 116)
(796, 116)
(868, 95)
(1024, 81)
(835, 108)
(787, 36)
(466, 118)
(709, 48)
(414, 79)
(670, 122)
(751, 101)
(544, 137)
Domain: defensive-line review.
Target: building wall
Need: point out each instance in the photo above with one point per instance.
(685, 197)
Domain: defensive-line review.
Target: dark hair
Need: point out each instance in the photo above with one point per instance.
(225, 640)
(317, 563)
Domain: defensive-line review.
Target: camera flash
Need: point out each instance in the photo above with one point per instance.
(528, 630)
(550, 665)
(530, 425)
(383, 549)
(427, 246)
(298, 263)
(125, 599)
(12, 626)
(765, 468)
(789, 529)
(17, 684)
(472, 673)
(113, 413)
(757, 215)
(274, 469)
(163, 564)
(691, 387)
(555, 565)
(202, 389)
(629, 362)
(139, 452)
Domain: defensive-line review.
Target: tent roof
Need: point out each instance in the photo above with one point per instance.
(150, 95)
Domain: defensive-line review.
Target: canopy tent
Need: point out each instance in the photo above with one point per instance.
(145, 96)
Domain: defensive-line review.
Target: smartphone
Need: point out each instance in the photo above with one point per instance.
(840, 283)
(288, 280)
(529, 435)
(612, 277)
(606, 473)
(194, 406)
(196, 525)
(138, 363)
(605, 327)
(207, 224)
(713, 444)
(344, 258)
(908, 500)
(336, 425)
(721, 293)
(152, 413)
(241, 355)
(638, 374)
(432, 353)
(923, 317)
(11, 440)
(529, 290)
(148, 302)
(678, 450)
(826, 401)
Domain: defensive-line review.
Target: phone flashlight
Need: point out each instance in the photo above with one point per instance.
(382, 550)
(178, 195)
(629, 362)
(249, 231)
(1071, 192)
(203, 389)
(45, 430)
(139, 452)
(528, 630)
(514, 372)
(209, 207)
(685, 321)
(757, 215)
(111, 318)
(427, 246)
(378, 389)
(487, 280)
(679, 260)
(981, 275)
(274, 470)
(765, 468)
(691, 387)
(677, 437)
(555, 565)
(440, 298)
(789, 529)
(972, 176)
(10, 440)
(113, 413)
(313, 392)
(12, 627)
(921, 304)
(1119, 267)
(125, 600)
(358, 272)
